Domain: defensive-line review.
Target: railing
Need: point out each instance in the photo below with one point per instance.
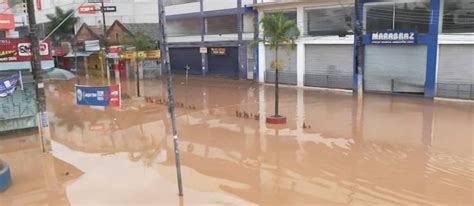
(455, 90)
(328, 81)
(285, 77)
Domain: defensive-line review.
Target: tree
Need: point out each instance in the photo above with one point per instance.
(66, 29)
(141, 43)
(278, 31)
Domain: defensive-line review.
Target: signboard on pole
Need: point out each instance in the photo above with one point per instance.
(203, 50)
(104, 96)
(18, 50)
(7, 21)
(109, 9)
(87, 9)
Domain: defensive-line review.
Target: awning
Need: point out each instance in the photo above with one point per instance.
(79, 54)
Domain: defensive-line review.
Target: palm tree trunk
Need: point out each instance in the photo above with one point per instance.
(276, 83)
(138, 77)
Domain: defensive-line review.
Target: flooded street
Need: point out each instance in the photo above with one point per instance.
(335, 150)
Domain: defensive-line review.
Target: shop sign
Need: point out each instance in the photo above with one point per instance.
(92, 45)
(394, 37)
(39, 4)
(7, 21)
(154, 54)
(218, 51)
(98, 96)
(17, 50)
(203, 50)
(464, 17)
(141, 54)
(128, 55)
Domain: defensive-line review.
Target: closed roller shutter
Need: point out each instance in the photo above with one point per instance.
(329, 66)
(226, 64)
(179, 57)
(288, 72)
(395, 68)
(456, 71)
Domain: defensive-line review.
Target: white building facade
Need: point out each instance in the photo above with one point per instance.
(324, 53)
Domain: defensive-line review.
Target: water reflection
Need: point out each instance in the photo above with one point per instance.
(380, 150)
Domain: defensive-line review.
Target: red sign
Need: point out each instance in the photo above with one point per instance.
(87, 9)
(7, 21)
(39, 5)
(18, 50)
(115, 99)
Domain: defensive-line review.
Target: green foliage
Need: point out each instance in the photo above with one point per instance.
(278, 31)
(143, 42)
(66, 30)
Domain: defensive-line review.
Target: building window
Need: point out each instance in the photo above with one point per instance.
(329, 21)
(221, 24)
(290, 14)
(184, 27)
(381, 16)
(117, 37)
(176, 2)
(458, 16)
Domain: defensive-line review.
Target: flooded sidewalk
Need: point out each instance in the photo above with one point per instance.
(336, 149)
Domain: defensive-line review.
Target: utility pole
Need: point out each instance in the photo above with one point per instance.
(358, 31)
(104, 26)
(165, 64)
(42, 113)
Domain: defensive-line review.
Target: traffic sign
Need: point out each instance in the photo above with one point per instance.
(109, 9)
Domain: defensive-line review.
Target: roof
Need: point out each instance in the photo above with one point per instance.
(290, 2)
(148, 28)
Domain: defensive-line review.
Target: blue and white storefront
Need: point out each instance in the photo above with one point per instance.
(418, 46)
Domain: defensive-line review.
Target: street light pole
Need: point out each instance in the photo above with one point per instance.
(42, 113)
(165, 64)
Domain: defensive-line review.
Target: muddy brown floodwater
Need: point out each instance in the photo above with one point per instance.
(379, 150)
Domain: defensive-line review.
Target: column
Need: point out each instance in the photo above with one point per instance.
(432, 64)
(300, 49)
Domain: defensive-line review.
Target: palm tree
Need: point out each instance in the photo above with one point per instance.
(141, 42)
(278, 31)
(66, 29)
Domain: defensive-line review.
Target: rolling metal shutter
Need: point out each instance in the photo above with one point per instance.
(329, 66)
(395, 68)
(179, 57)
(288, 72)
(456, 71)
(224, 65)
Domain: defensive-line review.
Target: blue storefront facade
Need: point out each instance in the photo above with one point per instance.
(413, 46)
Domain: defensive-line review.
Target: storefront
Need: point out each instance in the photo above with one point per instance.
(288, 73)
(400, 52)
(223, 61)
(329, 65)
(180, 57)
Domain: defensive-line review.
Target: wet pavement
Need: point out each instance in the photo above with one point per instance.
(376, 150)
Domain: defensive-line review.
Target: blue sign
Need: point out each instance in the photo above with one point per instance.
(93, 96)
(8, 85)
(394, 37)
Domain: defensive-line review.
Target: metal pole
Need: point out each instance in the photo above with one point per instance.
(166, 65)
(37, 71)
(104, 25)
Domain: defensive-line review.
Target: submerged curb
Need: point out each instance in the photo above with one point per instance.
(5, 177)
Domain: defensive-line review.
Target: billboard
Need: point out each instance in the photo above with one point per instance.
(19, 50)
(106, 96)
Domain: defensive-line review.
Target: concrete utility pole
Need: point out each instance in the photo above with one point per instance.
(104, 26)
(42, 113)
(165, 64)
